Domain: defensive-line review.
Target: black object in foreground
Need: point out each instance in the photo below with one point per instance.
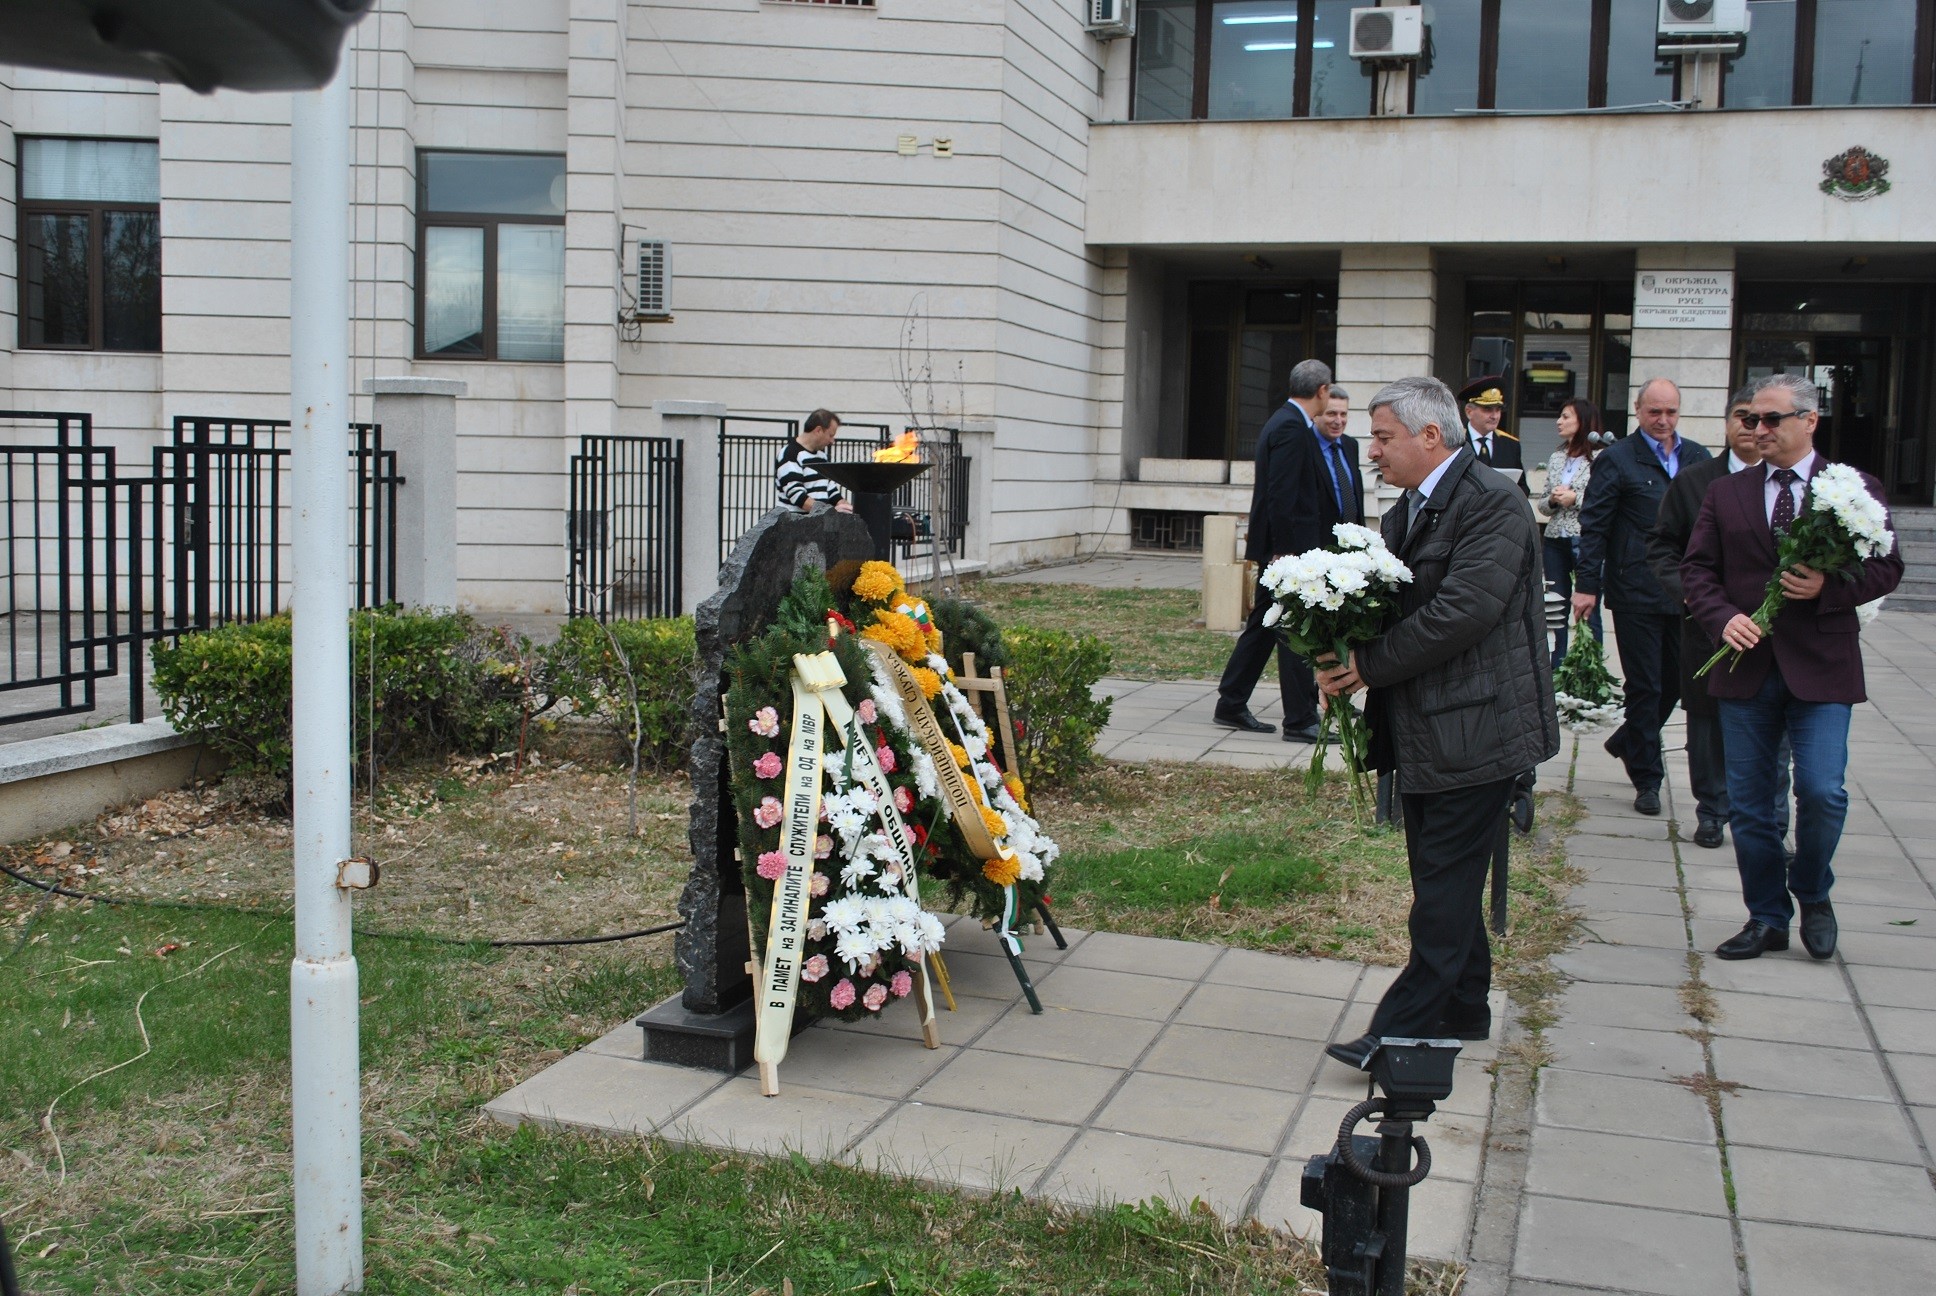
(873, 484)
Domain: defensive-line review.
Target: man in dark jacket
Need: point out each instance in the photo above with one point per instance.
(1485, 406)
(1461, 699)
(1307, 482)
(1621, 505)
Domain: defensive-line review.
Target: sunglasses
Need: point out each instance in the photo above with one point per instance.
(1770, 421)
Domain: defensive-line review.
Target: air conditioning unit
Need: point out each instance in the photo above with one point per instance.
(654, 295)
(1680, 19)
(1109, 19)
(1381, 34)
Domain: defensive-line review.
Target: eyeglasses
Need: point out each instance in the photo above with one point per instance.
(1772, 422)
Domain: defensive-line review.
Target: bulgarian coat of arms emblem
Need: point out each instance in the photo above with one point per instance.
(1855, 175)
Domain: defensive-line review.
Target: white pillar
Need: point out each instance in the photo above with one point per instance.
(978, 444)
(419, 421)
(1387, 303)
(323, 1065)
(695, 424)
(1699, 361)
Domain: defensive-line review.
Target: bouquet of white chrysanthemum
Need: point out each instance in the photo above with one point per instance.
(1585, 693)
(1842, 525)
(1327, 602)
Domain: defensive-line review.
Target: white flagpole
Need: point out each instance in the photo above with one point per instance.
(324, 1082)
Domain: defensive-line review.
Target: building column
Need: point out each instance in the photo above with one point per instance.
(419, 421)
(695, 425)
(595, 133)
(1386, 329)
(1699, 361)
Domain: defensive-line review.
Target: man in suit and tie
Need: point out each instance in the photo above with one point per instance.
(1485, 405)
(1307, 482)
(1621, 506)
(1461, 700)
(1802, 679)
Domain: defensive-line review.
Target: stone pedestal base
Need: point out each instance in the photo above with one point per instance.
(709, 1041)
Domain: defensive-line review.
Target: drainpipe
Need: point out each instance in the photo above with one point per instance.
(323, 1059)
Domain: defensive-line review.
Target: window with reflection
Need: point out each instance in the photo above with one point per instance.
(1339, 85)
(90, 244)
(1166, 59)
(1545, 53)
(491, 248)
(1447, 80)
(1247, 59)
(1864, 51)
(1552, 341)
(1635, 75)
(1762, 75)
(1253, 58)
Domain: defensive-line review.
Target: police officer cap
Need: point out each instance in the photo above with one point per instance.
(1484, 391)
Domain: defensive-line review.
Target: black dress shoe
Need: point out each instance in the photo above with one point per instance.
(1752, 941)
(1241, 719)
(1708, 834)
(1521, 813)
(1304, 733)
(1355, 1053)
(1647, 801)
(1616, 743)
(1819, 929)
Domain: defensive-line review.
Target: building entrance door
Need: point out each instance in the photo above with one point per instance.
(1852, 375)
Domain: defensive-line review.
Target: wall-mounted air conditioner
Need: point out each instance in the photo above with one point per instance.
(1109, 19)
(1682, 19)
(654, 286)
(1380, 34)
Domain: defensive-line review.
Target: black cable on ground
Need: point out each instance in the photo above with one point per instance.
(54, 889)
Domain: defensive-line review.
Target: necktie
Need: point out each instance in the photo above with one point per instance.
(1414, 500)
(1340, 476)
(1485, 450)
(1784, 516)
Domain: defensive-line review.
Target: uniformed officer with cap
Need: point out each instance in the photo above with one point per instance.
(1485, 404)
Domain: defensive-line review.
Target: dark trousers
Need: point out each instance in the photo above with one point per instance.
(1707, 771)
(1247, 660)
(1449, 840)
(1561, 556)
(1650, 659)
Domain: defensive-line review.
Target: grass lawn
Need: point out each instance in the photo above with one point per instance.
(1153, 634)
(144, 1050)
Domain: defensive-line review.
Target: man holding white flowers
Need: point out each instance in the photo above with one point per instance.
(1461, 699)
(1802, 676)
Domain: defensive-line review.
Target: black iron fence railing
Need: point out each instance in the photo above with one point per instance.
(624, 531)
(101, 562)
(749, 451)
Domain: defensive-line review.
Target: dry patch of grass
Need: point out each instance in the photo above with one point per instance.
(1153, 634)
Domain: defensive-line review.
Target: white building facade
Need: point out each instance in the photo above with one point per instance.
(1112, 249)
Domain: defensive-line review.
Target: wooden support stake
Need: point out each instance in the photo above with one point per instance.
(941, 978)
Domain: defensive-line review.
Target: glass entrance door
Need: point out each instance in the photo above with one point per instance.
(1852, 376)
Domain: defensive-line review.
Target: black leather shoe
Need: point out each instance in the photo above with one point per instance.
(1708, 834)
(1616, 743)
(1521, 813)
(1819, 929)
(1752, 941)
(1355, 1053)
(1464, 1028)
(1307, 733)
(1647, 801)
(1241, 719)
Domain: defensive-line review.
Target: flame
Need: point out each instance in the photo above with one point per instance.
(906, 449)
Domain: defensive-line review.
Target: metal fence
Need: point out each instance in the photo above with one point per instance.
(102, 562)
(749, 450)
(625, 527)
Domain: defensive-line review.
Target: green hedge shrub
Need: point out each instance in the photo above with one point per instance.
(1050, 676)
(231, 687)
(584, 669)
(966, 628)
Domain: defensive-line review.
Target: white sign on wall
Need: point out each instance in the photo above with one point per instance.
(1684, 299)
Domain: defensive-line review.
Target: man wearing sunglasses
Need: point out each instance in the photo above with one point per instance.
(1622, 503)
(1802, 680)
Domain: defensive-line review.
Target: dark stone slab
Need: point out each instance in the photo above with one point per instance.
(712, 949)
(721, 1041)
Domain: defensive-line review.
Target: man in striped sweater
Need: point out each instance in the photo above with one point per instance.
(796, 474)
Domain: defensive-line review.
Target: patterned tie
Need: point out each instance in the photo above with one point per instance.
(1485, 450)
(1784, 516)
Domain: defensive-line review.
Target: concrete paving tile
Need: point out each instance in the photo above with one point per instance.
(1904, 1030)
(1802, 1188)
(1327, 978)
(1615, 1050)
(1831, 1024)
(1045, 1088)
(980, 975)
(1244, 1057)
(1799, 1068)
(1624, 870)
(1101, 1167)
(1198, 1111)
(1471, 1089)
(1925, 1118)
(1786, 1260)
(1316, 1130)
(1868, 949)
(846, 1062)
(1617, 897)
(622, 1041)
(970, 1015)
(1916, 1073)
(1146, 955)
(1661, 1253)
(1070, 1035)
(1119, 994)
(1375, 982)
(1791, 973)
(1660, 1174)
(597, 1091)
(1264, 1012)
(972, 1149)
(1870, 1131)
(1900, 893)
(1647, 931)
(814, 1122)
(1623, 965)
(1634, 1007)
(1724, 878)
(1440, 1212)
(1614, 1104)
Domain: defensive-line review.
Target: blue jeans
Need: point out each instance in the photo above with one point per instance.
(1561, 556)
(1818, 732)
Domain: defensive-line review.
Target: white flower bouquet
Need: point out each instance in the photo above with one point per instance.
(1842, 525)
(1327, 602)
(1584, 692)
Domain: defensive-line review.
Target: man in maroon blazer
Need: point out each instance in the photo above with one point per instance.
(1801, 680)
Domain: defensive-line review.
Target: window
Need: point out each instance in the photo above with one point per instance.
(1244, 338)
(1554, 340)
(1247, 59)
(491, 256)
(90, 244)
(1533, 55)
(1834, 53)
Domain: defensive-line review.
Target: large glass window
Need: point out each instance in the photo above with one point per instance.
(491, 243)
(1253, 58)
(1447, 80)
(1545, 53)
(1864, 51)
(1247, 59)
(1763, 74)
(90, 244)
(1339, 85)
(1553, 341)
(1634, 74)
(1166, 59)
